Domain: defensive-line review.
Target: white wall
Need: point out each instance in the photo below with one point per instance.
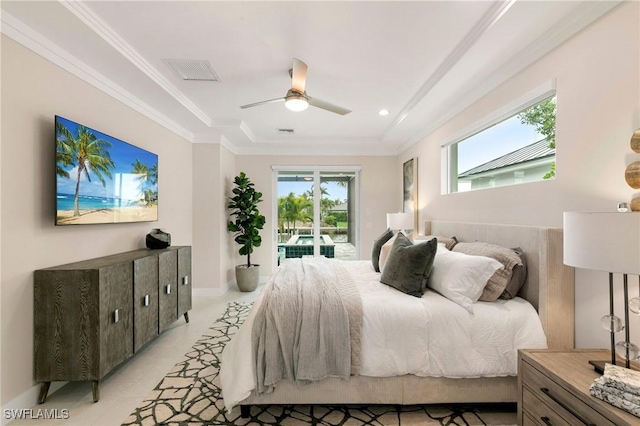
(598, 110)
(228, 247)
(206, 238)
(33, 91)
(213, 171)
(380, 194)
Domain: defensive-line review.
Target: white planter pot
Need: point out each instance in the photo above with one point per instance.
(247, 278)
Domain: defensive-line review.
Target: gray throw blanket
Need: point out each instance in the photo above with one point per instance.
(308, 326)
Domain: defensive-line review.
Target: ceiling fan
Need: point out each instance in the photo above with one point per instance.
(296, 98)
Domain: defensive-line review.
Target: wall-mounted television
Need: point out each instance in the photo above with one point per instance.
(101, 179)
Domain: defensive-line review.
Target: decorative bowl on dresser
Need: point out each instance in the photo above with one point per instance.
(553, 389)
(92, 315)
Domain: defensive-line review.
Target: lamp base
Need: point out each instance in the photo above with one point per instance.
(599, 366)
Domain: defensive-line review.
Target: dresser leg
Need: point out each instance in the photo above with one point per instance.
(95, 390)
(44, 389)
(186, 316)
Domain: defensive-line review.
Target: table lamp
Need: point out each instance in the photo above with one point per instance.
(607, 241)
(400, 221)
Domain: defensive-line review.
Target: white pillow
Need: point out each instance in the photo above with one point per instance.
(386, 249)
(460, 277)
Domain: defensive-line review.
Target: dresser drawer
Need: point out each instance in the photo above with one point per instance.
(567, 406)
(528, 421)
(540, 413)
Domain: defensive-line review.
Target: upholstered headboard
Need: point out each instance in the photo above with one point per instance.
(549, 287)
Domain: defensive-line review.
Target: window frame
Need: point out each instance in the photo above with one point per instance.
(448, 149)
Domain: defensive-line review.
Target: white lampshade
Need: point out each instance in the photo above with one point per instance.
(398, 221)
(607, 241)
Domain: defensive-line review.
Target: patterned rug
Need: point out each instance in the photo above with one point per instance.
(190, 394)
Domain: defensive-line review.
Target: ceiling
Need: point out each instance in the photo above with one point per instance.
(424, 61)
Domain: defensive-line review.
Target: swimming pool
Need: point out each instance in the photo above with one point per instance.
(308, 240)
(302, 245)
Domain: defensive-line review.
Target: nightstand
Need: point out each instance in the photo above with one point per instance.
(553, 389)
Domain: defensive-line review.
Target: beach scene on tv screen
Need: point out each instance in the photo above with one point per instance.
(101, 179)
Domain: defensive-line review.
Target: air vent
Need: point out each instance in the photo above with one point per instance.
(285, 131)
(192, 69)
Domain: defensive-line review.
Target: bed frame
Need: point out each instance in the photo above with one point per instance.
(549, 288)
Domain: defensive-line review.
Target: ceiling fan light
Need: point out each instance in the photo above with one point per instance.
(296, 103)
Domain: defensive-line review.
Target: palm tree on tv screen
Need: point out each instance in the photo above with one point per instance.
(146, 175)
(153, 174)
(86, 152)
(63, 158)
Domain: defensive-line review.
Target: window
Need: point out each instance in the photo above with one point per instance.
(518, 149)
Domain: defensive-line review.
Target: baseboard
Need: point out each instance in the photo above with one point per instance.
(27, 399)
(209, 292)
(216, 292)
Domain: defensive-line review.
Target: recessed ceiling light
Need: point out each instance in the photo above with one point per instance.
(383, 112)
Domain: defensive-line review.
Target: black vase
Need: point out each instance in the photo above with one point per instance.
(158, 239)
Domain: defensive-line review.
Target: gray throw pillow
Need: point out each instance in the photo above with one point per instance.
(518, 278)
(409, 265)
(377, 246)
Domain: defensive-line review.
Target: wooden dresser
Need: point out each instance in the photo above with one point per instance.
(91, 316)
(553, 389)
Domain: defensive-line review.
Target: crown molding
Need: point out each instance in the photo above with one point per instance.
(588, 12)
(492, 16)
(218, 139)
(108, 34)
(227, 144)
(303, 147)
(370, 143)
(36, 42)
(244, 127)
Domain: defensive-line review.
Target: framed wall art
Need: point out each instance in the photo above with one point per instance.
(410, 189)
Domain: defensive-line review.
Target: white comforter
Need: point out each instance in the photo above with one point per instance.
(401, 334)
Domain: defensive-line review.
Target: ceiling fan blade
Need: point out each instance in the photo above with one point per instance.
(327, 106)
(298, 75)
(270, 101)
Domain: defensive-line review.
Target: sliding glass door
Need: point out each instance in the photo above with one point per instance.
(316, 210)
(295, 213)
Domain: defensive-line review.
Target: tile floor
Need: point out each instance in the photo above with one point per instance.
(128, 385)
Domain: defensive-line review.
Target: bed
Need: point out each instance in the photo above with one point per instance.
(549, 289)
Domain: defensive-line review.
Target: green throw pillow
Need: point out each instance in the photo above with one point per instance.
(377, 246)
(409, 265)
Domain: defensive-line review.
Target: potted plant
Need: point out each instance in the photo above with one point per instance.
(246, 222)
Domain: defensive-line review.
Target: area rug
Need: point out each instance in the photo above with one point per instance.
(190, 394)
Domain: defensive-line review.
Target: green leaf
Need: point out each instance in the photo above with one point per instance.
(248, 220)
